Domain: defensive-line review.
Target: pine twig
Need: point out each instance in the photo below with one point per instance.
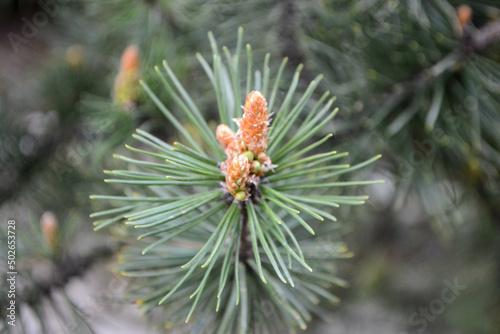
(487, 36)
(65, 269)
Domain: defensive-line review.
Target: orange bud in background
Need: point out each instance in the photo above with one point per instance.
(49, 227)
(130, 58)
(74, 56)
(126, 91)
(464, 14)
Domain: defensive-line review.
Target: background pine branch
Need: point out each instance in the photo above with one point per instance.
(435, 218)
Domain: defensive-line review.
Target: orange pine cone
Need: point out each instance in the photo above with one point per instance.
(246, 158)
(225, 135)
(229, 141)
(238, 171)
(254, 124)
(236, 147)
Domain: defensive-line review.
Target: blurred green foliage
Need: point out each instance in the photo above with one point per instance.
(411, 81)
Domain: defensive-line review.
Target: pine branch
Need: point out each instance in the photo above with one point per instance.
(248, 208)
(409, 89)
(32, 165)
(488, 35)
(66, 268)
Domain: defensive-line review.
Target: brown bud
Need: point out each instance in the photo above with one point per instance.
(126, 90)
(49, 227)
(464, 14)
(130, 58)
(74, 56)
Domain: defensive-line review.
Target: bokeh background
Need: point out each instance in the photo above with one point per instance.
(417, 81)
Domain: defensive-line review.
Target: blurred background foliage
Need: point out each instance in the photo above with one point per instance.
(418, 81)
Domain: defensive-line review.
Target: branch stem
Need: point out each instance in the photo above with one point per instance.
(245, 243)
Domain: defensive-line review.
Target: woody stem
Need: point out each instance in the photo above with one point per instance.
(245, 244)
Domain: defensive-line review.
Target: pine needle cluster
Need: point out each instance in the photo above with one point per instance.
(226, 224)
